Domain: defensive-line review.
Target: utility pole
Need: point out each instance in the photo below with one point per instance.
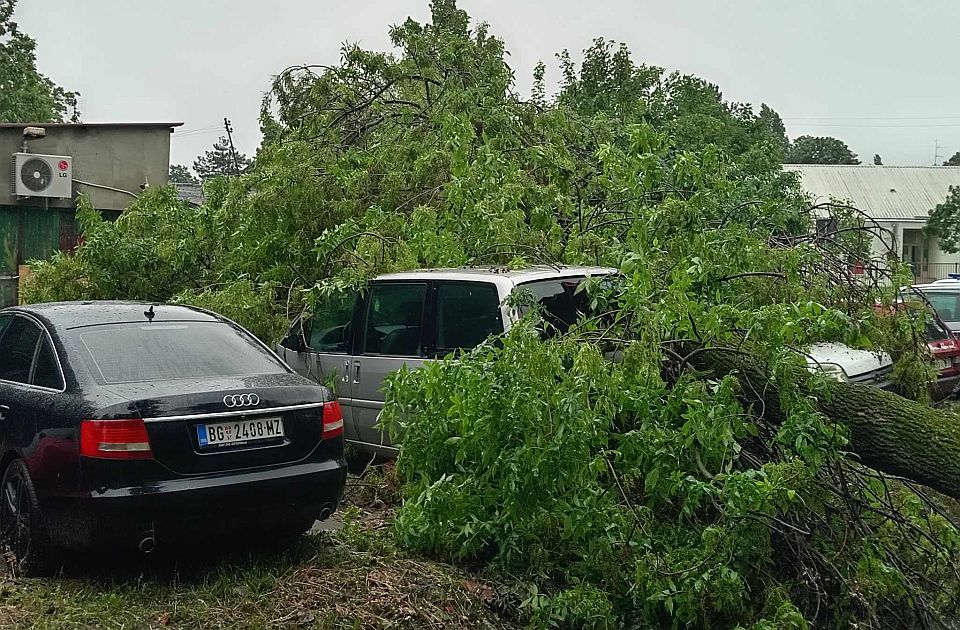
(233, 151)
(936, 152)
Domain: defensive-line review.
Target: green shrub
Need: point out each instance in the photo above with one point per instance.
(626, 501)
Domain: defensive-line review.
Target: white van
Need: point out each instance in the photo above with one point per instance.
(357, 340)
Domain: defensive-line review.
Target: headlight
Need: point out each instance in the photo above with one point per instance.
(834, 371)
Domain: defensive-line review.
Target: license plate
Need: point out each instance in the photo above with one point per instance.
(239, 432)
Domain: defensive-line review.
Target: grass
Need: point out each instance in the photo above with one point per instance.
(352, 578)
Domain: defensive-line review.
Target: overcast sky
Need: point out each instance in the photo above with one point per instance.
(880, 74)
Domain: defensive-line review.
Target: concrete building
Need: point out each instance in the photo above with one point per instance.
(110, 163)
(897, 198)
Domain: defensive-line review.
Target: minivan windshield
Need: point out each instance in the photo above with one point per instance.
(140, 352)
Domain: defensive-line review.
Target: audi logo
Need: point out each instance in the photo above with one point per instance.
(241, 400)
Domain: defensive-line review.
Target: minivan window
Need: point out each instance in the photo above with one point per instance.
(46, 373)
(562, 305)
(139, 352)
(467, 313)
(17, 348)
(394, 319)
(329, 328)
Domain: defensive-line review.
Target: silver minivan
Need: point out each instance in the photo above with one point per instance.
(354, 340)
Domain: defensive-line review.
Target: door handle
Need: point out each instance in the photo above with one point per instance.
(356, 372)
(3, 410)
(346, 372)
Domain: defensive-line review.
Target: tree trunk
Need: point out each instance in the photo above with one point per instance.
(887, 432)
(899, 436)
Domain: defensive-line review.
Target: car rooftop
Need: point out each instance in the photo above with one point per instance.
(540, 272)
(95, 312)
(949, 283)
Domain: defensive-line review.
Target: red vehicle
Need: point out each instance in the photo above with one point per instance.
(945, 348)
(944, 345)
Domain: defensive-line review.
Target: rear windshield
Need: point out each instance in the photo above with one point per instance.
(135, 353)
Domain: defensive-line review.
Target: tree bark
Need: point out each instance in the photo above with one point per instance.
(899, 436)
(888, 433)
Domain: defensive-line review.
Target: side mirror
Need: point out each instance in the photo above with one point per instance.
(294, 340)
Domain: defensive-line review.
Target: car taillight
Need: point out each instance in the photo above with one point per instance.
(332, 420)
(115, 439)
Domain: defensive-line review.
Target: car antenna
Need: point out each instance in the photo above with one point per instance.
(149, 314)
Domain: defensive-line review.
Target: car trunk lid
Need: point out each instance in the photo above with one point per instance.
(267, 420)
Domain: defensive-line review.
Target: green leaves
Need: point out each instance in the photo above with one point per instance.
(944, 222)
(26, 95)
(820, 150)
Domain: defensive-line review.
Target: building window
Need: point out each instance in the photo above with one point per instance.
(826, 226)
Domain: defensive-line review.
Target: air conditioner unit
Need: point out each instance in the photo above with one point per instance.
(42, 175)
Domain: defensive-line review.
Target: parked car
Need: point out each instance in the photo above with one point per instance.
(944, 347)
(944, 297)
(850, 365)
(125, 424)
(356, 340)
(943, 333)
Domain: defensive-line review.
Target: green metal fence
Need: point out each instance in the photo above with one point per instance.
(30, 234)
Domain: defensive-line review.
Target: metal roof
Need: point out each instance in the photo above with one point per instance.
(885, 193)
(190, 192)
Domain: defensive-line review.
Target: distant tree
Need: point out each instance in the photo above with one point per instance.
(954, 160)
(180, 174)
(25, 94)
(219, 161)
(609, 83)
(944, 222)
(771, 123)
(877, 160)
(820, 150)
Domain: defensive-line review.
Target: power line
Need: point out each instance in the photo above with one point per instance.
(204, 128)
(198, 133)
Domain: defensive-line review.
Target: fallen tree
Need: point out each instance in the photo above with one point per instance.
(887, 432)
(655, 491)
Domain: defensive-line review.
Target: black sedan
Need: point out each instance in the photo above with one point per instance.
(124, 424)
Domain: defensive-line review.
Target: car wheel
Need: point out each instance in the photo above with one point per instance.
(22, 534)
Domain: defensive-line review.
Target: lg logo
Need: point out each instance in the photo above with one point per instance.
(241, 400)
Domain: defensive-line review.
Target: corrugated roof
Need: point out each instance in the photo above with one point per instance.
(190, 192)
(885, 193)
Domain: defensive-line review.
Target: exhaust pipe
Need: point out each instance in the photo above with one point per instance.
(326, 511)
(147, 544)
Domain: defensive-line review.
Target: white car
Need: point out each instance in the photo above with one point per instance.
(944, 297)
(846, 364)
